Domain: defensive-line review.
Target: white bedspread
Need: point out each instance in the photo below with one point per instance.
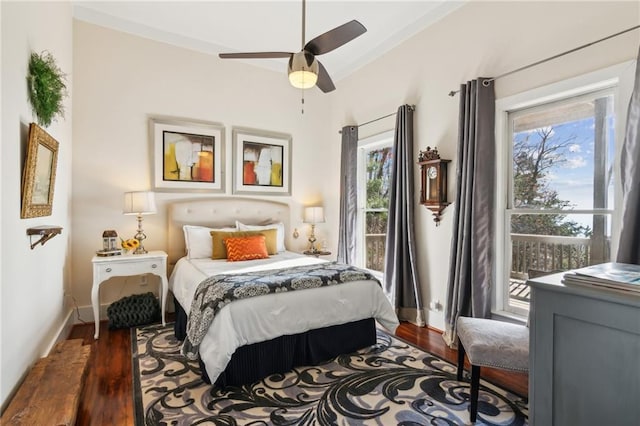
(266, 317)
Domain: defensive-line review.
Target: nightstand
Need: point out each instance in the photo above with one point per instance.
(154, 262)
(316, 253)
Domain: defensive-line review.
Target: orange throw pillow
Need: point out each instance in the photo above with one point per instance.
(246, 248)
(219, 250)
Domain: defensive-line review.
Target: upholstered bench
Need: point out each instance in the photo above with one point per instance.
(490, 343)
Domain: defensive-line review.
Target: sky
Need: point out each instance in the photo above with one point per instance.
(573, 178)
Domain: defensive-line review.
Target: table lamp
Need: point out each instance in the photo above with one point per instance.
(139, 203)
(313, 215)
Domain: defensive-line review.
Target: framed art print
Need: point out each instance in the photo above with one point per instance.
(261, 162)
(188, 155)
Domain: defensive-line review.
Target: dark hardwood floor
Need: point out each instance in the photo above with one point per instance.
(108, 392)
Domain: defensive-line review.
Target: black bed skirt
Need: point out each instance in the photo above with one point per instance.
(256, 361)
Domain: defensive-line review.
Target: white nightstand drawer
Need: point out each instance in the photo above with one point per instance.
(125, 269)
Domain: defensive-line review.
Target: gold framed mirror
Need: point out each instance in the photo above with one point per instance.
(39, 175)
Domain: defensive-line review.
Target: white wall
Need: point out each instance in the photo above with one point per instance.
(479, 39)
(33, 282)
(120, 80)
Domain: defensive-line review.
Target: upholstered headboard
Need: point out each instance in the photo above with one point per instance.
(219, 212)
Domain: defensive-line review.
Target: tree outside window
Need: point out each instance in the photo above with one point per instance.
(379, 162)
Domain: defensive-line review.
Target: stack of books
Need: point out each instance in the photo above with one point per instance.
(618, 276)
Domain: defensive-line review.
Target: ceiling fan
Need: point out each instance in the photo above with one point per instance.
(305, 71)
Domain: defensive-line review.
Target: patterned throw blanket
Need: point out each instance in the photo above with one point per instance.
(217, 291)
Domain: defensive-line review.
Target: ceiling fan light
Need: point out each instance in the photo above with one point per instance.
(303, 70)
(303, 79)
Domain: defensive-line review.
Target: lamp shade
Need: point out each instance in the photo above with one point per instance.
(314, 215)
(141, 202)
(303, 70)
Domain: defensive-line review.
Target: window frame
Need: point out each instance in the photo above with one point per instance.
(377, 141)
(619, 80)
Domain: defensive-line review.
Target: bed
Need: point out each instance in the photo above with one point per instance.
(252, 338)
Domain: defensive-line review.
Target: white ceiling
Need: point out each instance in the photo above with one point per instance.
(253, 26)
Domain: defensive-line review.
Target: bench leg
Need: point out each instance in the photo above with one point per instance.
(460, 360)
(475, 388)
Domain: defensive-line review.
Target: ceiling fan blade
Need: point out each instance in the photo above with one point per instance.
(335, 38)
(324, 82)
(255, 55)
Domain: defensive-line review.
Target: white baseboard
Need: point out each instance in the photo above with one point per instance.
(84, 314)
(62, 333)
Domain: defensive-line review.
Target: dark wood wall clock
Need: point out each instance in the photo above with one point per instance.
(433, 182)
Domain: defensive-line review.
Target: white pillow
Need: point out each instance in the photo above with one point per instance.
(279, 226)
(197, 240)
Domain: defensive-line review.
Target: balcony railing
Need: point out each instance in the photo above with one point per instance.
(547, 253)
(543, 254)
(374, 246)
(530, 254)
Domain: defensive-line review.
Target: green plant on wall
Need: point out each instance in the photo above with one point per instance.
(47, 88)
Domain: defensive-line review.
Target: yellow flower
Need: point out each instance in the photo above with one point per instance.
(129, 244)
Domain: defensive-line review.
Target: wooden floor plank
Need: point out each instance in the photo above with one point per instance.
(108, 395)
(108, 398)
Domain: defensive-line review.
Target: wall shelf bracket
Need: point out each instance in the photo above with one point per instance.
(46, 232)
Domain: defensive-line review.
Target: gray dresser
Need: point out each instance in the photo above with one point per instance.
(584, 355)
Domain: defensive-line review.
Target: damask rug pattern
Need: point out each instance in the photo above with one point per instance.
(391, 383)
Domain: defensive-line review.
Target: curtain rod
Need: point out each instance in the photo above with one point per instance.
(411, 107)
(489, 80)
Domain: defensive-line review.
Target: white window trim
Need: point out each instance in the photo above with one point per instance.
(621, 78)
(371, 142)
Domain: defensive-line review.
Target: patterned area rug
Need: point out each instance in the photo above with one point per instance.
(391, 383)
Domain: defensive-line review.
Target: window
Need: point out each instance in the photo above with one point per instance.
(557, 170)
(375, 159)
